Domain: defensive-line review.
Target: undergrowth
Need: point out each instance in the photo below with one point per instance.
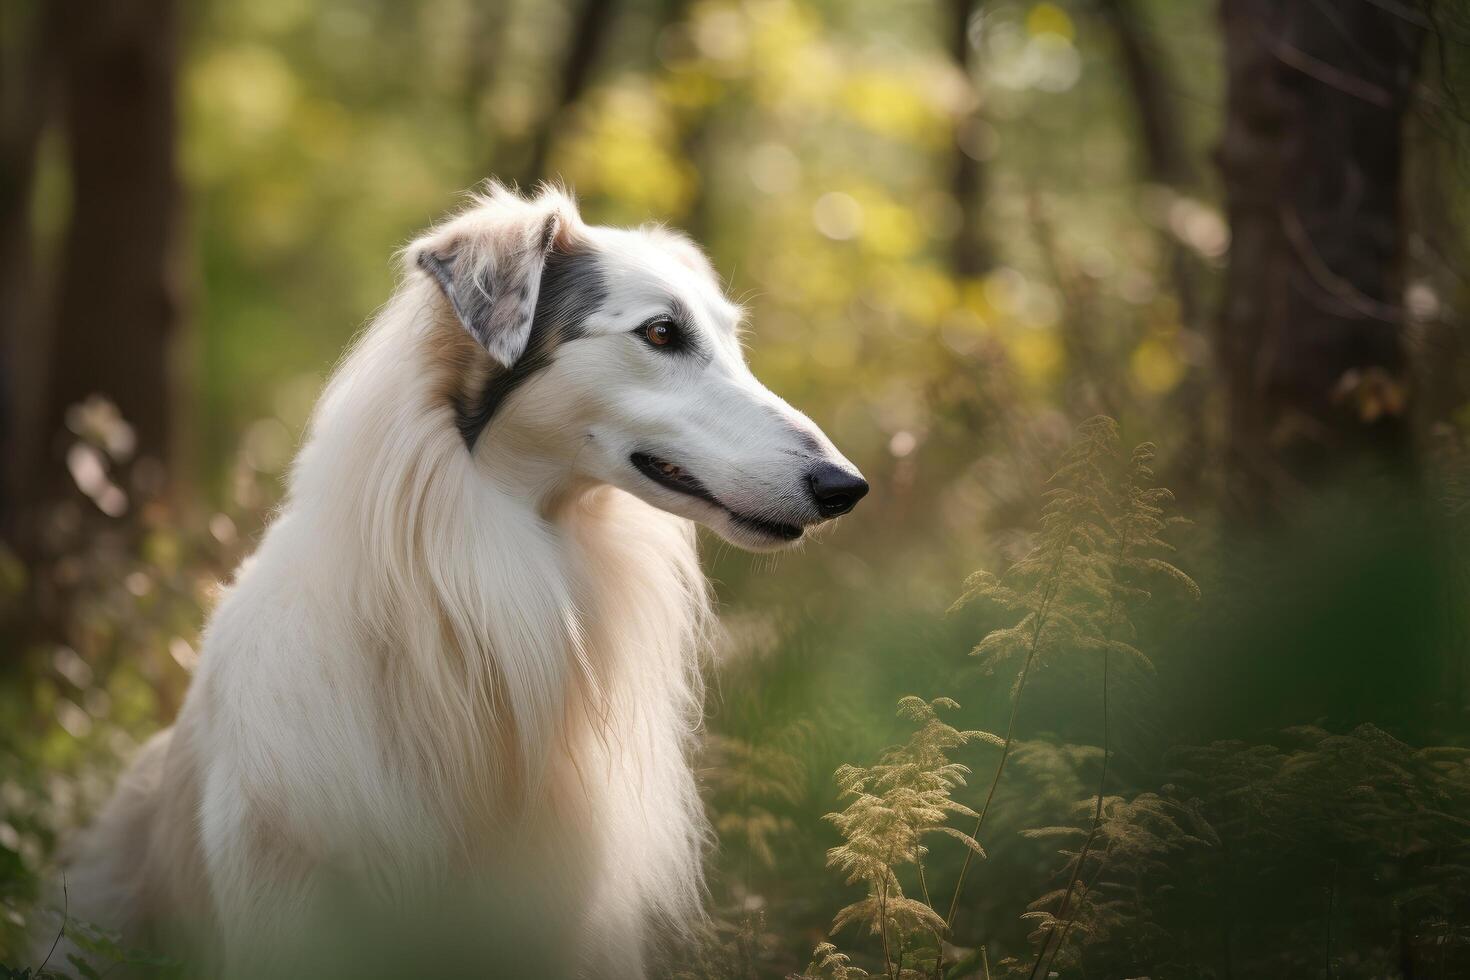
(1099, 544)
(1300, 852)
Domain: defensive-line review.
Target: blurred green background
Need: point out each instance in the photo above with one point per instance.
(960, 228)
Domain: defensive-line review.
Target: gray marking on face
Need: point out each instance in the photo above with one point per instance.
(573, 286)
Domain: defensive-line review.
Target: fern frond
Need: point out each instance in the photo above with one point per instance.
(964, 838)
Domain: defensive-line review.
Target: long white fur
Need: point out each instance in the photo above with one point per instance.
(444, 671)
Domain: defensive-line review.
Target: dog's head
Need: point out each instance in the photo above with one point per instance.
(615, 355)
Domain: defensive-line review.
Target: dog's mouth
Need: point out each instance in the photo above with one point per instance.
(673, 477)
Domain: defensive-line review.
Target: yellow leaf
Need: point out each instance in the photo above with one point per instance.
(1048, 18)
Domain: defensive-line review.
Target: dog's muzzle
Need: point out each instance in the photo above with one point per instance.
(834, 491)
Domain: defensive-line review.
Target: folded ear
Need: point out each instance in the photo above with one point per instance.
(488, 263)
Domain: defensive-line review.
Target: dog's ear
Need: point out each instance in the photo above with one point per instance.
(488, 263)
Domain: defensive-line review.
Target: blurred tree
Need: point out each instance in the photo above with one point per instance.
(1165, 157)
(486, 50)
(1166, 163)
(1309, 338)
(28, 37)
(117, 301)
(1439, 151)
(969, 252)
(591, 25)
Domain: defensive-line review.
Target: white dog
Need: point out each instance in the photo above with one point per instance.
(458, 683)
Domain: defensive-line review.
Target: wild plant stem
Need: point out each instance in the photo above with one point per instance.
(1005, 753)
(1331, 900)
(883, 929)
(1005, 750)
(1053, 579)
(1114, 603)
(1067, 927)
(924, 885)
(65, 911)
(1086, 846)
(938, 939)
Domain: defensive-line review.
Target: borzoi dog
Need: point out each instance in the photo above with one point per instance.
(464, 659)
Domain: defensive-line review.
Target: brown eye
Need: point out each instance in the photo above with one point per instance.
(660, 333)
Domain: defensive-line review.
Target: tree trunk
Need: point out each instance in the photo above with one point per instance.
(1165, 162)
(1148, 85)
(969, 251)
(1165, 158)
(486, 43)
(593, 23)
(1309, 336)
(26, 89)
(117, 303)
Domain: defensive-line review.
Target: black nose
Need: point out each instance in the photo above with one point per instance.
(836, 490)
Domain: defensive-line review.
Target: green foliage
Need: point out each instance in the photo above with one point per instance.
(829, 964)
(103, 952)
(1129, 544)
(1098, 547)
(1099, 542)
(1130, 842)
(896, 804)
(744, 782)
(730, 947)
(120, 594)
(1337, 809)
(97, 954)
(1278, 838)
